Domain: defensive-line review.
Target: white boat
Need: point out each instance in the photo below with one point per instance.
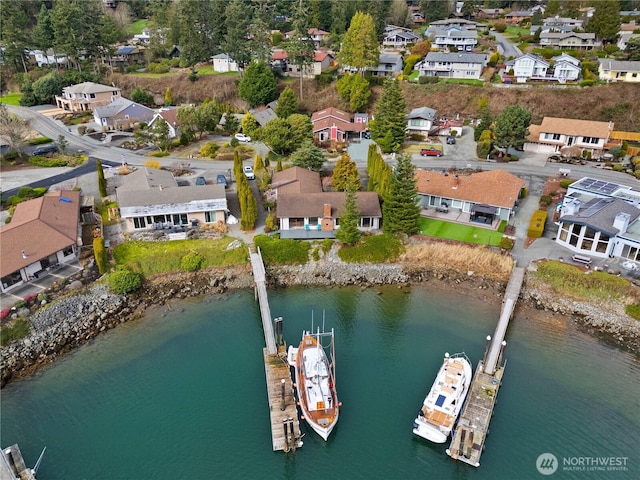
(443, 403)
(315, 381)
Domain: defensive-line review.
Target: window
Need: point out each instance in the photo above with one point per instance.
(139, 222)
(592, 140)
(11, 279)
(313, 221)
(366, 222)
(92, 95)
(552, 136)
(628, 251)
(180, 219)
(296, 222)
(68, 251)
(210, 217)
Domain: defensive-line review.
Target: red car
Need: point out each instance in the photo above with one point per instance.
(430, 152)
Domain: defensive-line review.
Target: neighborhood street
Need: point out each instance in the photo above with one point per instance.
(505, 47)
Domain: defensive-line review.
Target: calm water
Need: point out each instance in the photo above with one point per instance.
(181, 394)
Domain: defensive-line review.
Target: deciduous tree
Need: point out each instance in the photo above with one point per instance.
(400, 211)
(14, 129)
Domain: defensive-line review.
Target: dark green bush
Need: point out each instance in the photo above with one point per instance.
(545, 200)
(191, 262)
(424, 79)
(124, 281)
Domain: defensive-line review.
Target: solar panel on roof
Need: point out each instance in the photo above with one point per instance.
(593, 206)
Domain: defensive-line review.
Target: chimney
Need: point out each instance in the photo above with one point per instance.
(327, 210)
(622, 222)
(456, 182)
(570, 206)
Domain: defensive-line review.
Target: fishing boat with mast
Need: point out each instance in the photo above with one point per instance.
(314, 380)
(443, 403)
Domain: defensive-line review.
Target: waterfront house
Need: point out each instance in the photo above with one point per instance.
(482, 197)
(452, 65)
(150, 199)
(600, 219)
(554, 134)
(84, 97)
(122, 114)
(332, 124)
(619, 71)
(43, 233)
(294, 180)
(422, 121)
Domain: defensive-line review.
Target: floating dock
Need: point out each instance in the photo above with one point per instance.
(285, 426)
(13, 467)
(470, 433)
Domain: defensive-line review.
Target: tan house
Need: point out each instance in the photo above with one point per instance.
(43, 233)
(483, 197)
(84, 97)
(619, 71)
(295, 180)
(150, 199)
(555, 134)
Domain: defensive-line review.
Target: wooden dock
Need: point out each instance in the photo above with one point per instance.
(467, 442)
(285, 427)
(469, 435)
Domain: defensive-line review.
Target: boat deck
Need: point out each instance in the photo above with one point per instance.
(285, 427)
(470, 433)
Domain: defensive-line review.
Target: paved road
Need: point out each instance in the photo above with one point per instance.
(505, 47)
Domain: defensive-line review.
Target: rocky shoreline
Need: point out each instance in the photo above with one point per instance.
(77, 318)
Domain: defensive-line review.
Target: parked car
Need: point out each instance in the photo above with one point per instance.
(45, 150)
(221, 180)
(241, 137)
(451, 140)
(248, 172)
(430, 152)
(200, 181)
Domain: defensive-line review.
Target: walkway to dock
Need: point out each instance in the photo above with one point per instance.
(259, 278)
(508, 304)
(467, 441)
(285, 426)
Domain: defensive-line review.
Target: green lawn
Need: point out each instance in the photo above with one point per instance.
(11, 99)
(461, 233)
(513, 31)
(137, 27)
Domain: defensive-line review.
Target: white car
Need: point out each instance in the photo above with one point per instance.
(248, 172)
(241, 137)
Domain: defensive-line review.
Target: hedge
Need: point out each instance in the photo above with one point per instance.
(536, 226)
(100, 254)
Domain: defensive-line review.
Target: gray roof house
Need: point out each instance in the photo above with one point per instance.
(150, 199)
(389, 65)
(454, 38)
(422, 121)
(121, 114)
(452, 65)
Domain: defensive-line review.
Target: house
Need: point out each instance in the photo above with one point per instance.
(332, 124)
(452, 65)
(570, 40)
(490, 13)
(561, 24)
(422, 121)
(566, 68)
(398, 37)
(319, 37)
(127, 55)
(554, 134)
(454, 22)
(84, 97)
(322, 60)
(223, 63)
(279, 60)
(150, 199)
(317, 215)
(619, 71)
(389, 65)
(454, 38)
(482, 197)
(517, 16)
(122, 114)
(48, 57)
(294, 180)
(528, 67)
(624, 37)
(600, 219)
(169, 115)
(43, 233)
(265, 114)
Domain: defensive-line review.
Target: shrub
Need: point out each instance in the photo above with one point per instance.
(416, 137)
(633, 310)
(282, 251)
(234, 142)
(157, 68)
(100, 254)
(500, 27)
(506, 243)
(10, 333)
(191, 262)
(565, 183)
(271, 222)
(124, 281)
(209, 149)
(82, 129)
(424, 79)
(160, 154)
(587, 83)
(39, 161)
(373, 249)
(536, 226)
(545, 200)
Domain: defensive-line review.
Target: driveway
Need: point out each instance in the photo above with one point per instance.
(505, 47)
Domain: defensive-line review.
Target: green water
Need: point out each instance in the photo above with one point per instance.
(180, 394)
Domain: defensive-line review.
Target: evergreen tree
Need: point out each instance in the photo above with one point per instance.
(360, 44)
(632, 51)
(258, 85)
(434, 9)
(236, 42)
(400, 211)
(308, 156)
(14, 34)
(355, 90)
(348, 232)
(195, 25)
(379, 173)
(390, 117)
(605, 22)
(485, 118)
(249, 215)
(258, 165)
(260, 40)
(287, 103)
(168, 98)
(345, 175)
(512, 126)
(28, 98)
(279, 165)
(102, 183)
(300, 47)
(250, 125)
